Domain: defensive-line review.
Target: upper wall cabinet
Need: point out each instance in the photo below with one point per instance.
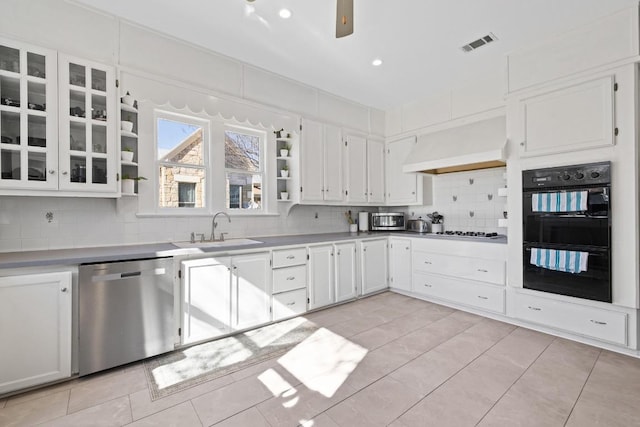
(572, 118)
(88, 119)
(364, 170)
(28, 117)
(404, 188)
(57, 123)
(321, 169)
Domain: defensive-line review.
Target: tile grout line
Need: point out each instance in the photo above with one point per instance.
(194, 411)
(582, 388)
(409, 361)
(263, 416)
(458, 371)
(516, 380)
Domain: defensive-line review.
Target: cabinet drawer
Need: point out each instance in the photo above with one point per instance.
(289, 304)
(289, 278)
(484, 297)
(601, 324)
(288, 257)
(478, 269)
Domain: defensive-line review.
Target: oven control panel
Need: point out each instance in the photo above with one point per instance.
(568, 176)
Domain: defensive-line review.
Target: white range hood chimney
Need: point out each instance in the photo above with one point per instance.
(478, 145)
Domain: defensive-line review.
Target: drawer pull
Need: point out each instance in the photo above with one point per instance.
(427, 285)
(291, 303)
(427, 262)
(597, 322)
(291, 278)
(482, 297)
(482, 270)
(291, 256)
(535, 308)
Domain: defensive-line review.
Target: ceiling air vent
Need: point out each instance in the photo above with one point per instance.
(479, 43)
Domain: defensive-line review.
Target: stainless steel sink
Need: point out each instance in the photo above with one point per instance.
(216, 244)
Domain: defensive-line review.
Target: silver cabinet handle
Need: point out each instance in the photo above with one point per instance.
(482, 270)
(535, 308)
(65, 290)
(597, 322)
(407, 248)
(291, 303)
(522, 144)
(51, 171)
(428, 262)
(427, 285)
(482, 297)
(290, 256)
(64, 172)
(291, 278)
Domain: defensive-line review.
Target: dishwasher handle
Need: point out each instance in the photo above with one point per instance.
(127, 275)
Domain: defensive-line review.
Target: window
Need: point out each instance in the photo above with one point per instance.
(182, 147)
(243, 149)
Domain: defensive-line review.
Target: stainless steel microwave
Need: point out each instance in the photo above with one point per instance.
(387, 221)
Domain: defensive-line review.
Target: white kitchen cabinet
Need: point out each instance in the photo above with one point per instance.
(356, 169)
(321, 276)
(346, 271)
(404, 188)
(400, 264)
(250, 290)
(373, 258)
(88, 118)
(289, 304)
(206, 297)
(573, 118)
(28, 117)
(375, 171)
(478, 269)
(223, 294)
(35, 329)
(364, 173)
(321, 169)
(593, 322)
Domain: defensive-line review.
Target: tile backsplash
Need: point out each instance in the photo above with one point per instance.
(469, 201)
(34, 223)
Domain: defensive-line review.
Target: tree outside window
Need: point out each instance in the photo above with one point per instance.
(244, 171)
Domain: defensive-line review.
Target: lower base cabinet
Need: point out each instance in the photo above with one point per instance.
(35, 329)
(288, 304)
(593, 322)
(374, 261)
(472, 294)
(224, 294)
(346, 271)
(321, 276)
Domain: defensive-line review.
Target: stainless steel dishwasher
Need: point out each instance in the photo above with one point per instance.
(125, 312)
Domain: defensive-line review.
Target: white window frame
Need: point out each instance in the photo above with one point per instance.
(263, 136)
(206, 166)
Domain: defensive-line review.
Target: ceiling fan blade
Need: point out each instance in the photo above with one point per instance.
(344, 18)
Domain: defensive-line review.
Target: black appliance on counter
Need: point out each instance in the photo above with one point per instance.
(565, 229)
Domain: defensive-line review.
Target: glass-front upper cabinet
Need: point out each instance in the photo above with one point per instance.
(28, 117)
(88, 118)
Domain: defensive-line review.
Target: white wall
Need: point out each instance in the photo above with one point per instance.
(469, 198)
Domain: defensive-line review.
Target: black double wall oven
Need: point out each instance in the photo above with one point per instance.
(567, 230)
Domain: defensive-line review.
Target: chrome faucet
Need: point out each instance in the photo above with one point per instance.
(214, 224)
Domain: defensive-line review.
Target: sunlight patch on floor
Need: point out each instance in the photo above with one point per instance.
(323, 361)
(264, 336)
(277, 385)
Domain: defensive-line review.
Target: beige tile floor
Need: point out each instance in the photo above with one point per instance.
(383, 360)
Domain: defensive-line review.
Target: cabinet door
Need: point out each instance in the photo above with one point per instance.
(570, 119)
(321, 276)
(346, 285)
(28, 117)
(356, 169)
(400, 263)
(375, 171)
(88, 118)
(402, 188)
(206, 298)
(251, 290)
(35, 329)
(374, 266)
(312, 167)
(333, 187)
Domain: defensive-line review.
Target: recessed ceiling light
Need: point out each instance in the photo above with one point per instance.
(376, 62)
(285, 13)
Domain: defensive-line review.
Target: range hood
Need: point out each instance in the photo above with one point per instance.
(478, 145)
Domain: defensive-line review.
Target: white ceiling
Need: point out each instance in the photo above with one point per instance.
(418, 40)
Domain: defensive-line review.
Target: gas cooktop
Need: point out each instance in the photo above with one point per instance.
(476, 234)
